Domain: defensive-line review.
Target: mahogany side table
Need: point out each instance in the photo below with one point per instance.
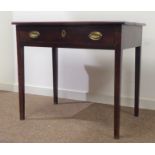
(115, 36)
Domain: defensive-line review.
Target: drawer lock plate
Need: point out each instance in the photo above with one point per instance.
(63, 33)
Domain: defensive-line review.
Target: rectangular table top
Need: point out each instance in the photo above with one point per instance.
(72, 23)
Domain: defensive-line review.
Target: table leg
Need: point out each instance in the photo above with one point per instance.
(117, 90)
(137, 79)
(21, 85)
(55, 73)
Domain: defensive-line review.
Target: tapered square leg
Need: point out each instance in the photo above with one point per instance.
(137, 79)
(117, 90)
(55, 74)
(20, 58)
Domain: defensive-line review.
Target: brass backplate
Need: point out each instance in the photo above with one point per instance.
(34, 34)
(95, 35)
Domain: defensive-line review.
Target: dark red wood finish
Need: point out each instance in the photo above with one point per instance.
(77, 23)
(76, 36)
(55, 73)
(137, 78)
(116, 36)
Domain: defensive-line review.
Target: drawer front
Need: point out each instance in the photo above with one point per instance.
(39, 34)
(67, 36)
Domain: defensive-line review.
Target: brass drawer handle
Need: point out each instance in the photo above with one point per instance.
(63, 33)
(95, 35)
(34, 34)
